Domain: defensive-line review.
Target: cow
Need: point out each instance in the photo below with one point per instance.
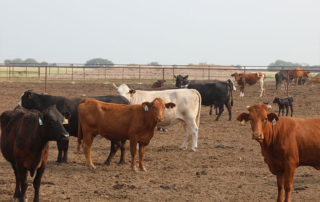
(286, 143)
(119, 122)
(25, 136)
(284, 103)
(188, 108)
(158, 84)
(31, 100)
(183, 82)
(280, 76)
(296, 74)
(215, 94)
(251, 79)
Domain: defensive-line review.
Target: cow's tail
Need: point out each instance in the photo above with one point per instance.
(79, 137)
(199, 109)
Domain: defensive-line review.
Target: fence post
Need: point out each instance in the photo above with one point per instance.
(58, 70)
(84, 75)
(163, 74)
(49, 70)
(287, 83)
(26, 71)
(105, 75)
(139, 74)
(208, 73)
(39, 73)
(122, 73)
(173, 74)
(45, 83)
(9, 74)
(72, 82)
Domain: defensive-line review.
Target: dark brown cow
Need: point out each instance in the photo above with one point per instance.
(119, 122)
(251, 79)
(25, 136)
(158, 84)
(286, 143)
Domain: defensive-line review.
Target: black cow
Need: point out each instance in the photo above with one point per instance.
(181, 81)
(25, 136)
(30, 100)
(279, 77)
(284, 103)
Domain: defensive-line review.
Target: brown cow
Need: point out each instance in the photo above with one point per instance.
(251, 79)
(286, 143)
(296, 74)
(25, 136)
(158, 84)
(119, 122)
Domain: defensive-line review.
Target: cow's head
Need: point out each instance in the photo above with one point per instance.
(181, 81)
(259, 118)
(276, 100)
(232, 84)
(161, 82)
(157, 107)
(306, 73)
(236, 76)
(123, 90)
(51, 123)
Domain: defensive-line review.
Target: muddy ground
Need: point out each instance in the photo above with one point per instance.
(227, 166)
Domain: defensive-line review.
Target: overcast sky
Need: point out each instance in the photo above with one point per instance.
(223, 32)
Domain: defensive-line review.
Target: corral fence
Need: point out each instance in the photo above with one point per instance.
(130, 74)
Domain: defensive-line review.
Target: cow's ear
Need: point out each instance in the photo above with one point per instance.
(28, 95)
(40, 118)
(66, 115)
(158, 81)
(175, 77)
(170, 105)
(272, 116)
(146, 106)
(243, 116)
(132, 92)
(186, 77)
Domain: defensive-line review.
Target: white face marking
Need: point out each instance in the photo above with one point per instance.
(20, 102)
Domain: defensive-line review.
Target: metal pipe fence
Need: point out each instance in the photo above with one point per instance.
(131, 74)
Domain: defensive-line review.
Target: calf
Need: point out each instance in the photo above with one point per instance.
(280, 76)
(284, 103)
(158, 84)
(251, 79)
(31, 100)
(286, 143)
(119, 122)
(25, 136)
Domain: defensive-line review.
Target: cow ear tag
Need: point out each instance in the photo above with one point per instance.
(65, 121)
(29, 96)
(40, 122)
(274, 122)
(146, 108)
(243, 122)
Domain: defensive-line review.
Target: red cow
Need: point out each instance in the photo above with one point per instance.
(251, 79)
(286, 143)
(119, 122)
(25, 136)
(158, 84)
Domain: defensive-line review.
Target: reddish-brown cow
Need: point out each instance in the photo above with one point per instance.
(251, 79)
(119, 122)
(286, 143)
(296, 74)
(158, 84)
(25, 136)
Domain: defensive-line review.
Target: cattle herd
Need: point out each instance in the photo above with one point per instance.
(134, 114)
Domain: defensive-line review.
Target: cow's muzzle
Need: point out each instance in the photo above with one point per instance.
(257, 136)
(65, 136)
(159, 119)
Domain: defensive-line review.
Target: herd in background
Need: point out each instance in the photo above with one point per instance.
(40, 118)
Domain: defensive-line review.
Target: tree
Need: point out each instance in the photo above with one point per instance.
(283, 63)
(98, 62)
(14, 61)
(154, 63)
(237, 66)
(44, 63)
(28, 61)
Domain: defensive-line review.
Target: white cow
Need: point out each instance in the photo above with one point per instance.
(187, 110)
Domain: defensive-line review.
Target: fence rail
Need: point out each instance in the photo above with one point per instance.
(130, 74)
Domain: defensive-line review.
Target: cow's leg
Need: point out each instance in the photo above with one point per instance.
(194, 131)
(37, 180)
(282, 111)
(241, 91)
(23, 180)
(87, 145)
(133, 149)
(288, 179)
(186, 137)
(280, 183)
(228, 106)
(220, 112)
(217, 111)
(210, 113)
(59, 159)
(287, 110)
(279, 111)
(65, 151)
(142, 148)
(16, 194)
(291, 110)
(123, 152)
(113, 150)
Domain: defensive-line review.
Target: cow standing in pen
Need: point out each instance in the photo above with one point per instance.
(120, 122)
(284, 103)
(251, 79)
(25, 136)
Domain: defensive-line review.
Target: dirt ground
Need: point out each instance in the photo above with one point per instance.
(227, 166)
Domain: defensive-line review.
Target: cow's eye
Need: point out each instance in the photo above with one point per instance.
(249, 119)
(266, 119)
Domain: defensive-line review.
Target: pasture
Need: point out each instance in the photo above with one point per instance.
(227, 166)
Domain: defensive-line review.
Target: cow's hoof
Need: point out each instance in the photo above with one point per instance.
(134, 170)
(143, 170)
(91, 168)
(158, 129)
(183, 148)
(106, 164)
(193, 150)
(15, 199)
(164, 130)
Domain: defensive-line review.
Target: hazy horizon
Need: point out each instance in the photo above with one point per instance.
(231, 32)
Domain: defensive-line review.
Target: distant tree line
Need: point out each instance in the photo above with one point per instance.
(26, 62)
(283, 64)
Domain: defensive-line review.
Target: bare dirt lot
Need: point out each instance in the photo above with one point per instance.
(227, 166)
